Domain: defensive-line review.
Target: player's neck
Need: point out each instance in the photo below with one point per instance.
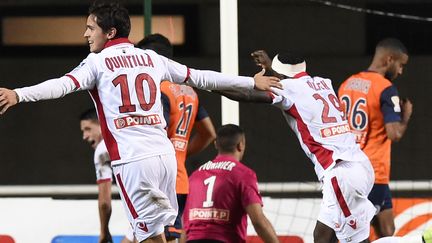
(377, 69)
(236, 156)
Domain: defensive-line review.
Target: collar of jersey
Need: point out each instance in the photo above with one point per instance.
(302, 74)
(116, 42)
(224, 157)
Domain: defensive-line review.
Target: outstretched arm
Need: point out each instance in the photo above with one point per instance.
(248, 95)
(211, 80)
(261, 224)
(50, 89)
(8, 98)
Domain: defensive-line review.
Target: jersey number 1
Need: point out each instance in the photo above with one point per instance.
(209, 195)
(127, 105)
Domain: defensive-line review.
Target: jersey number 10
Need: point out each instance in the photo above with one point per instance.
(127, 105)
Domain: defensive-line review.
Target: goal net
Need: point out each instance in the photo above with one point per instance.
(292, 208)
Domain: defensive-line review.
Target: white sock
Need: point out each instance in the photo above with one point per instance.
(403, 239)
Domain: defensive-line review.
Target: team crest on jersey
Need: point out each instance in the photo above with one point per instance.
(334, 130)
(396, 103)
(80, 65)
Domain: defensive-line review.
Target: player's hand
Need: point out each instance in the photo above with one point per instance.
(262, 59)
(407, 107)
(265, 82)
(8, 98)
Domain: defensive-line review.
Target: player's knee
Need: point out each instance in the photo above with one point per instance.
(388, 230)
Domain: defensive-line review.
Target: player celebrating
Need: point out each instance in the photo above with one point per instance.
(182, 112)
(312, 110)
(124, 83)
(378, 117)
(222, 192)
(92, 134)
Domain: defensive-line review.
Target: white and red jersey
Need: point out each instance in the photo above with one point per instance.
(124, 83)
(102, 163)
(312, 110)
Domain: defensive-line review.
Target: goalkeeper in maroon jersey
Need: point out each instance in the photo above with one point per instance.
(222, 192)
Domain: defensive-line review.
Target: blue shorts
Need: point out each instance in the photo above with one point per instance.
(174, 231)
(380, 196)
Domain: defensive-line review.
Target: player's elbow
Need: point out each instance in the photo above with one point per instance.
(259, 222)
(211, 135)
(395, 136)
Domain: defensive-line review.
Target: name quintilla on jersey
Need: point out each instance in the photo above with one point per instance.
(128, 61)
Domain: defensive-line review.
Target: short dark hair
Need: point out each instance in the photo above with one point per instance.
(89, 114)
(392, 44)
(227, 138)
(157, 43)
(111, 14)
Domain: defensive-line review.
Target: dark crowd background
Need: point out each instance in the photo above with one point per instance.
(40, 143)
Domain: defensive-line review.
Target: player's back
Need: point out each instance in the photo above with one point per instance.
(361, 96)
(183, 108)
(217, 198)
(126, 92)
(312, 110)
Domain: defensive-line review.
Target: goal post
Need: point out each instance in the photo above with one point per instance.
(229, 56)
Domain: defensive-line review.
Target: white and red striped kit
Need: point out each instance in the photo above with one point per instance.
(124, 83)
(313, 112)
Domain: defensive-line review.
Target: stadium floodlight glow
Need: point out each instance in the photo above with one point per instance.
(33, 31)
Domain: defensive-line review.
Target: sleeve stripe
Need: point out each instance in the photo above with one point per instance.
(271, 95)
(103, 180)
(77, 84)
(187, 75)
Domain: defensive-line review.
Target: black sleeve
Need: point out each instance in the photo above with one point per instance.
(201, 113)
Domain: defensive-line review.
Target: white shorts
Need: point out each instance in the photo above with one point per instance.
(345, 206)
(147, 190)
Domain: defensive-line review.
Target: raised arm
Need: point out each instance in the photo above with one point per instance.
(262, 60)
(261, 224)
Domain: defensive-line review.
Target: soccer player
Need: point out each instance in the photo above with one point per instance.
(92, 134)
(222, 192)
(182, 112)
(378, 117)
(313, 112)
(124, 83)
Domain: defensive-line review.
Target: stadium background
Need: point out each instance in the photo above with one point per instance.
(41, 142)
